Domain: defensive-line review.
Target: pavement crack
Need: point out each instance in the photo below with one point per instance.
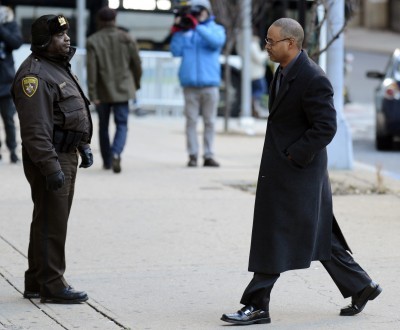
(13, 246)
(32, 302)
(97, 310)
(48, 315)
(9, 282)
(107, 316)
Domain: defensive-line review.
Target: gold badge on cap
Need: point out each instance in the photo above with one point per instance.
(62, 20)
(29, 85)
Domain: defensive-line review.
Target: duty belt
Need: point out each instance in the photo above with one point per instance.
(66, 141)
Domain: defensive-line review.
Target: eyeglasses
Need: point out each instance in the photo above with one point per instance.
(272, 43)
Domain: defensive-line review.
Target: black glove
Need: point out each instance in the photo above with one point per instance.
(55, 181)
(87, 157)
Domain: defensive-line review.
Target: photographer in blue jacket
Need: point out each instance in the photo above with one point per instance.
(198, 40)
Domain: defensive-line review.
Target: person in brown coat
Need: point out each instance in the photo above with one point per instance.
(55, 127)
(114, 73)
(293, 222)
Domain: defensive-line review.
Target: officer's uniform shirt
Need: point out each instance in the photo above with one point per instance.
(48, 95)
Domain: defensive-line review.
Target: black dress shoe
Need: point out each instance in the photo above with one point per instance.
(31, 294)
(65, 296)
(359, 301)
(247, 315)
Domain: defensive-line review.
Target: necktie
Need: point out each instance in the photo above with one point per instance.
(278, 82)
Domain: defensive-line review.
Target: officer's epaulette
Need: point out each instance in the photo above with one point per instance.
(35, 66)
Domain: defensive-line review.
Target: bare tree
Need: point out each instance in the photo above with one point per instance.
(264, 12)
(228, 13)
(313, 21)
(316, 22)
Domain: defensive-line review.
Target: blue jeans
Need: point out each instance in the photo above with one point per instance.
(7, 110)
(109, 149)
(258, 88)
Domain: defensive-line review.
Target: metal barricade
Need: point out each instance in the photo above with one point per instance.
(160, 89)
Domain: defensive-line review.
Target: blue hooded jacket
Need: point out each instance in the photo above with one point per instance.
(200, 49)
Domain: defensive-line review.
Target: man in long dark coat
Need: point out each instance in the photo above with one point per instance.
(293, 218)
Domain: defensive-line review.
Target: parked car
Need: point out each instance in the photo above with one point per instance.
(387, 103)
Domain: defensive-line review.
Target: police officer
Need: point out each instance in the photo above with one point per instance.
(55, 126)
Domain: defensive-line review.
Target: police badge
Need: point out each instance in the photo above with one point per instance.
(29, 85)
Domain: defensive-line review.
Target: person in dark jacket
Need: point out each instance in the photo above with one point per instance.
(10, 39)
(293, 221)
(198, 40)
(114, 73)
(56, 127)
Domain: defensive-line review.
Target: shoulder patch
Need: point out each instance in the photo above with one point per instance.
(29, 85)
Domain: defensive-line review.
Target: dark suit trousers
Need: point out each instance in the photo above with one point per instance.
(46, 251)
(347, 274)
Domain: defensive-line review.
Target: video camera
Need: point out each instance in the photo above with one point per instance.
(184, 10)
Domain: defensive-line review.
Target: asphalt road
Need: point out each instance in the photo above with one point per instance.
(360, 87)
(361, 115)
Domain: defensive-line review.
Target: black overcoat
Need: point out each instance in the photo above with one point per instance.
(293, 215)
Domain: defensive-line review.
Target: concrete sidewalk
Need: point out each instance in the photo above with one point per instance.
(163, 246)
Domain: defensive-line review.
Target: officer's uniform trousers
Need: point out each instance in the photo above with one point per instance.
(347, 274)
(46, 251)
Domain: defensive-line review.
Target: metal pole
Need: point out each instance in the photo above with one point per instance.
(323, 34)
(340, 150)
(81, 26)
(246, 120)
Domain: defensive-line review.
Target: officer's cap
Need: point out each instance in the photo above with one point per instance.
(44, 27)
